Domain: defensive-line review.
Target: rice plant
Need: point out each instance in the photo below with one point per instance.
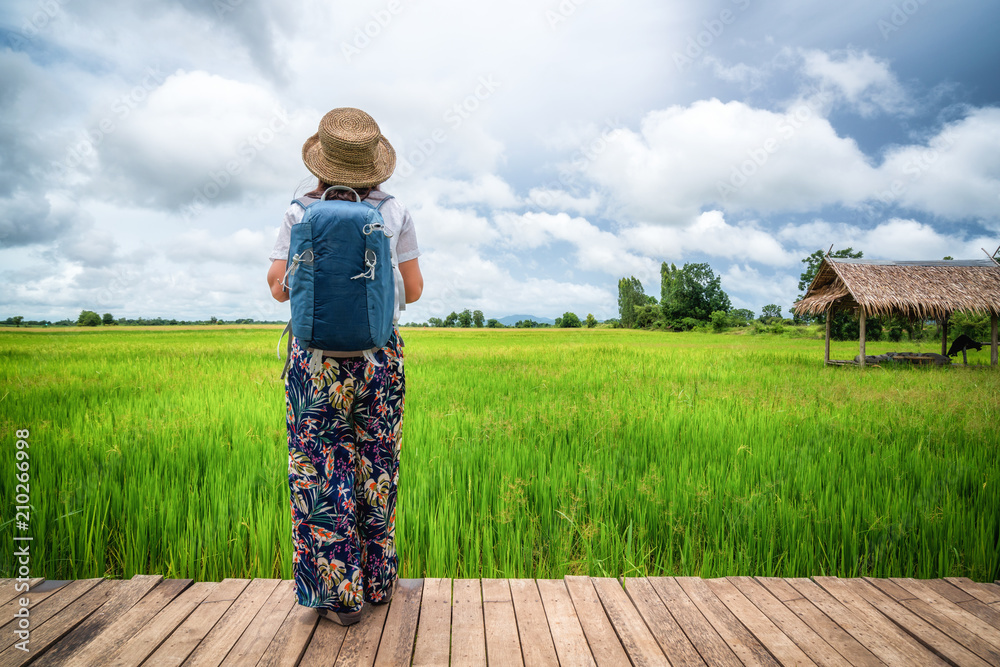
(526, 453)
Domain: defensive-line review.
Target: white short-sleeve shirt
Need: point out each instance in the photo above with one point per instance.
(398, 221)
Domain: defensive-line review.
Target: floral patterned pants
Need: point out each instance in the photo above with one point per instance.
(343, 466)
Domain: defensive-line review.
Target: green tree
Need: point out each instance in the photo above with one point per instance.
(525, 324)
(435, 322)
(694, 291)
(465, 319)
(493, 323)
(477, 318)
(451, 320)
(630, 295)
(570, 321)
(647, 316)
(108, 318)
(769, 313)
(720, 320)
(88, 318)
(668, 274)
(591, 321)
(17, 319)
(740, 317)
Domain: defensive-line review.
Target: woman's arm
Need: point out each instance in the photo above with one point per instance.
(274, 276)
(413, 281)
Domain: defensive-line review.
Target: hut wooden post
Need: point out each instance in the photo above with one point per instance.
(862, 346)
(944, 335)
(829, 316)
(993, 342)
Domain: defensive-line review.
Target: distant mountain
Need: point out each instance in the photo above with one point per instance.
(511, 320)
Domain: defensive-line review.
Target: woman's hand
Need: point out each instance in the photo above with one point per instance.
(274, 276)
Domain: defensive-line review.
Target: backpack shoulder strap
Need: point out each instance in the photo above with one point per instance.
(301, 202)
(383, 201)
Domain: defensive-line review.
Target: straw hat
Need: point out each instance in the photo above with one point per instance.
(349, 149)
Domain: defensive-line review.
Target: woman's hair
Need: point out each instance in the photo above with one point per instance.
(340, 194)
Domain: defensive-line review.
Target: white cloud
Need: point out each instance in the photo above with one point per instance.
(596, 249)
(201, 138)
(709, 234)
(896, 238)
(440, 227)
(730, 153)
(748, 287)
(955, 175)
(864, 82)
(453, 283)
(244, 246)
(560, 200)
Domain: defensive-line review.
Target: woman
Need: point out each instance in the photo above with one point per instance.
(344, 423)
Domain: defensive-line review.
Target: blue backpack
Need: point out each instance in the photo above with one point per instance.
(340, 277)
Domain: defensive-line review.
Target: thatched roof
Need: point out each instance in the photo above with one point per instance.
(918, 290)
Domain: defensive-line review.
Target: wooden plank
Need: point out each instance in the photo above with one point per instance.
(783, 649)
(822, 624)
(36, 608)
(671, 638)
(219, 641)
(943, 609)
(807, 639)
(185, 639)
(537, 646)
(126, 625)
(601, 638)
(985, 612)
(254, 641)
(740, 640)
(865, 623)
(945, 589)
(361, 640)
(710, 645)
(570, 644)
(433, 643)
(139, 647)
(8, 594)
(891, 589)
(949, 592)
(984, 592)
(779, 588)
(76, 631)
(323, 647)
(909, 614)
(468, 634)
(396, 647)
(638, 641)
(291, 639)
(54, 617)
(861, 339)
(503, 647)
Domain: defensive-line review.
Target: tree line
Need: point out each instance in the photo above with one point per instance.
(692, 296)
(89, 318)
(475, 318)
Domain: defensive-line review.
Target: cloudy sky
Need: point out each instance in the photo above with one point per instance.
(545, 148)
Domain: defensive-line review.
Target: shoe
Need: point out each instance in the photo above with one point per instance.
(388, 597)
(341, 618)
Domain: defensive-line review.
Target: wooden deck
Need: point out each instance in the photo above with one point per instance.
(150, 620)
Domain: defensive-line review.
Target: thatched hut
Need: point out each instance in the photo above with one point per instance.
(917, 290)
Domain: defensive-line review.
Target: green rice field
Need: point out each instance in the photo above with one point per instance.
(526, 453)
